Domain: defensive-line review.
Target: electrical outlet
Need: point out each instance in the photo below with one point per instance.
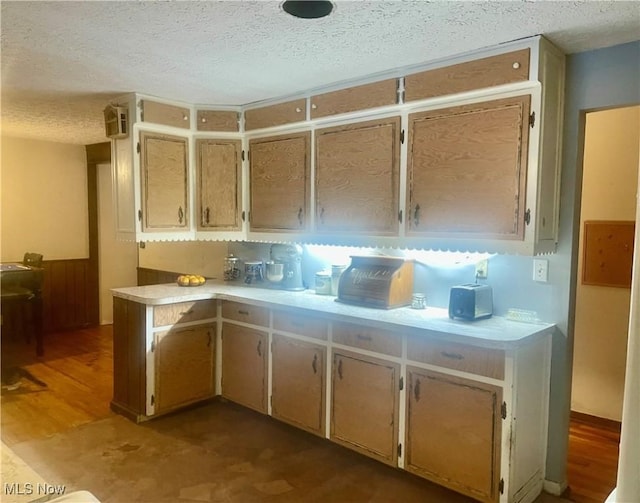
(482, 269)
(540, 270)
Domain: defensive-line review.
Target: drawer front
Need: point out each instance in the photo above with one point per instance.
(217, 120)
(377, 94)
(183, 312)
(481, 361)
(275, 115)
(301, 324)
(477, 74)
(371, 339)
(167, 115)
(238, 311)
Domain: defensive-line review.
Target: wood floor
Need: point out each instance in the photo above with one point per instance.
(77, 370)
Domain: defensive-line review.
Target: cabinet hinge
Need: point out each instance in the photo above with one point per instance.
(527, 216)
(138, 147)
(503, 410)
(243, 216)
(153, 346)
(153, 399)
(501, 486)
(402, 136)
(532, 119)
(401, 383)
(399, 450)
(243, 155)
(140, 215)
(271, 401)
(400, 216)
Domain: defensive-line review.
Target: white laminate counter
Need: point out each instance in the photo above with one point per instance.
(497, 332)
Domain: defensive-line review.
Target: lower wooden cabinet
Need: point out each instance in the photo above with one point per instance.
(297, 383)
(364, 405)
(244, 366)
(453, 432)
(184, 366)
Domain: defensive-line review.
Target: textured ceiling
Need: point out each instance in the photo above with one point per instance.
(63, 61)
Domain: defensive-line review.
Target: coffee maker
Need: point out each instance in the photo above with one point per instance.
(284, 270)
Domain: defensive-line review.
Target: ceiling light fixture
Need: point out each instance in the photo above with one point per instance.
(309, 9)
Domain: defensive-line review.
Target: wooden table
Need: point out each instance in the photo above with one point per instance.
(23, 285)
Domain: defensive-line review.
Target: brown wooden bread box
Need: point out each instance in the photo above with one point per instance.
(377, 281)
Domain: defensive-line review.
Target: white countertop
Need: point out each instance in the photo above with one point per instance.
(493, 332)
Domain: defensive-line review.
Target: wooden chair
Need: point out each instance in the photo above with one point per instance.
(22, 300)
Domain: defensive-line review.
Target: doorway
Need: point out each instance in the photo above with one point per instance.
(117, 259)
(610, 180)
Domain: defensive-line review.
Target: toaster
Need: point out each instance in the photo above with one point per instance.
(471, 302)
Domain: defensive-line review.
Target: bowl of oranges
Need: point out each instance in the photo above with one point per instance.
(190, 280)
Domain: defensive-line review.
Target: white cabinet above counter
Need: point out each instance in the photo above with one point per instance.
(470, 161)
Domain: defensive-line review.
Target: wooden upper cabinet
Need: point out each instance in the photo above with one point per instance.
(279, 182)
(165, 182)
(467, 170)
(373, 95)
(477, 74)
(357, 177)
(453, 432)
(276, 115)
(167, 115)
(219, 184)
(217, 120)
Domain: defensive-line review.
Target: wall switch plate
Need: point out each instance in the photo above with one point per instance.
(540, 270)
(482, 269)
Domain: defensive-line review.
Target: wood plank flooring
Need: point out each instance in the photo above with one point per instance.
(77, 369)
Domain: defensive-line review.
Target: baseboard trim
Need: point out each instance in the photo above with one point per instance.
(555, 488)
(598, 422)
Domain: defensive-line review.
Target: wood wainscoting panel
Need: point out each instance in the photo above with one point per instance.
(66, 294)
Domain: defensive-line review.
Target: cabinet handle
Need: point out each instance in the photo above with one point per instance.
(206, 215)
(416, 390)
(183, 313)
(314, 364)
(203, 120)
(300, 216)
(314, 106)
(516, 65)
(241, 311)
(416, 215)
(340, 369)
(180, 214)
(364, 337)
(452, 356)
(259, 348)
(298, 109)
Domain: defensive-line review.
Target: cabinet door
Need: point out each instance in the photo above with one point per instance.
(453, 432)
(298, 383)
(467, 170)
(244, 366)
(219, 172)
(164, 174)
(184, 360)
(280, 182)
(357, 177)
(364, 405)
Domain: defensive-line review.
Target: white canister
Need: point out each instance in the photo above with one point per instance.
(323, 283)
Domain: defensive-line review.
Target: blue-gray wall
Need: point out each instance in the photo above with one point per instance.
(600, 79)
